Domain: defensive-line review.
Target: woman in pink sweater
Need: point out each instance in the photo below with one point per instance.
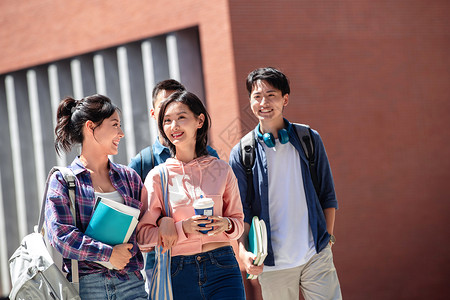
(203, 262)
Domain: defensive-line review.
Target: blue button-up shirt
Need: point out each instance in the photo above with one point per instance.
(259, 205)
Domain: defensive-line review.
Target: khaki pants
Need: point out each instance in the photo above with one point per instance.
(317, 279)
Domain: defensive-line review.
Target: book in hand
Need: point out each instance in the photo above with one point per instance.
(112, 223)
(257, 238)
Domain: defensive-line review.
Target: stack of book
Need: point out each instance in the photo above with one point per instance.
(257, 238)
(112, 223)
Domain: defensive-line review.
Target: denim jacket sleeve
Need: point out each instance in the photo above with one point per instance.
(327, 195)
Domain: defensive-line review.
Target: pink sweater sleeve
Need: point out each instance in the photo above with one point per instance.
(232, 206)
(147, 230)
(151, 210)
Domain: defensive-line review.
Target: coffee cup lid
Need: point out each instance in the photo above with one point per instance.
(203, 203)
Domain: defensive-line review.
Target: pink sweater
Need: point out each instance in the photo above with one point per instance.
(207, 176)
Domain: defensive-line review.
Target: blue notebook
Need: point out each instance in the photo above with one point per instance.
(257, 240)
(112, 222)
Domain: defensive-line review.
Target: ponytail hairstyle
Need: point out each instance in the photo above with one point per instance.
(196, 106)
(73, 114)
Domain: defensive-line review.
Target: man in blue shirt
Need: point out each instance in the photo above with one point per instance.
(299, 220)
(156, 154)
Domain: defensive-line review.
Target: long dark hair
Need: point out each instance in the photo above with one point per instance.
(72, 115)
(197, 108)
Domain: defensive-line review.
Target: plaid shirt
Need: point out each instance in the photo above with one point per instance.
(71, 241)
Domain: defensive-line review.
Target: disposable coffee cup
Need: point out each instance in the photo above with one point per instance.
(204, 207)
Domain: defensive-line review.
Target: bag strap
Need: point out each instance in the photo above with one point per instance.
(153, 158)
(69, 177)
(161, 282)
(145, 166)
(247, 145)
(305, 136)
(164, 174)
(303, 132)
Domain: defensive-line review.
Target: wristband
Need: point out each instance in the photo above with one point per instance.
(230, 225)
(332, 239)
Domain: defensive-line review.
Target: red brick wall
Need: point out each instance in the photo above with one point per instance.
(371, 76)
(36, 32)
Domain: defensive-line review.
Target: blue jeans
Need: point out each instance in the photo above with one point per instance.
(209, 275)
(99, 287)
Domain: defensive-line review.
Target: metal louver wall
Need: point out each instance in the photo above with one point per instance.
(28, 102)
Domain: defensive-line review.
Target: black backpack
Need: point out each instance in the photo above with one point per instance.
(247, 144)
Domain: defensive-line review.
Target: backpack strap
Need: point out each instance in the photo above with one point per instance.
(247, 145)
(69, 177)
(306, 139)
(146, 166)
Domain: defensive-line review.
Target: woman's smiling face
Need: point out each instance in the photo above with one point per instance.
(180, 124)
(109, 133)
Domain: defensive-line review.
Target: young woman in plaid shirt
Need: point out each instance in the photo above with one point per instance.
(94, 122)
